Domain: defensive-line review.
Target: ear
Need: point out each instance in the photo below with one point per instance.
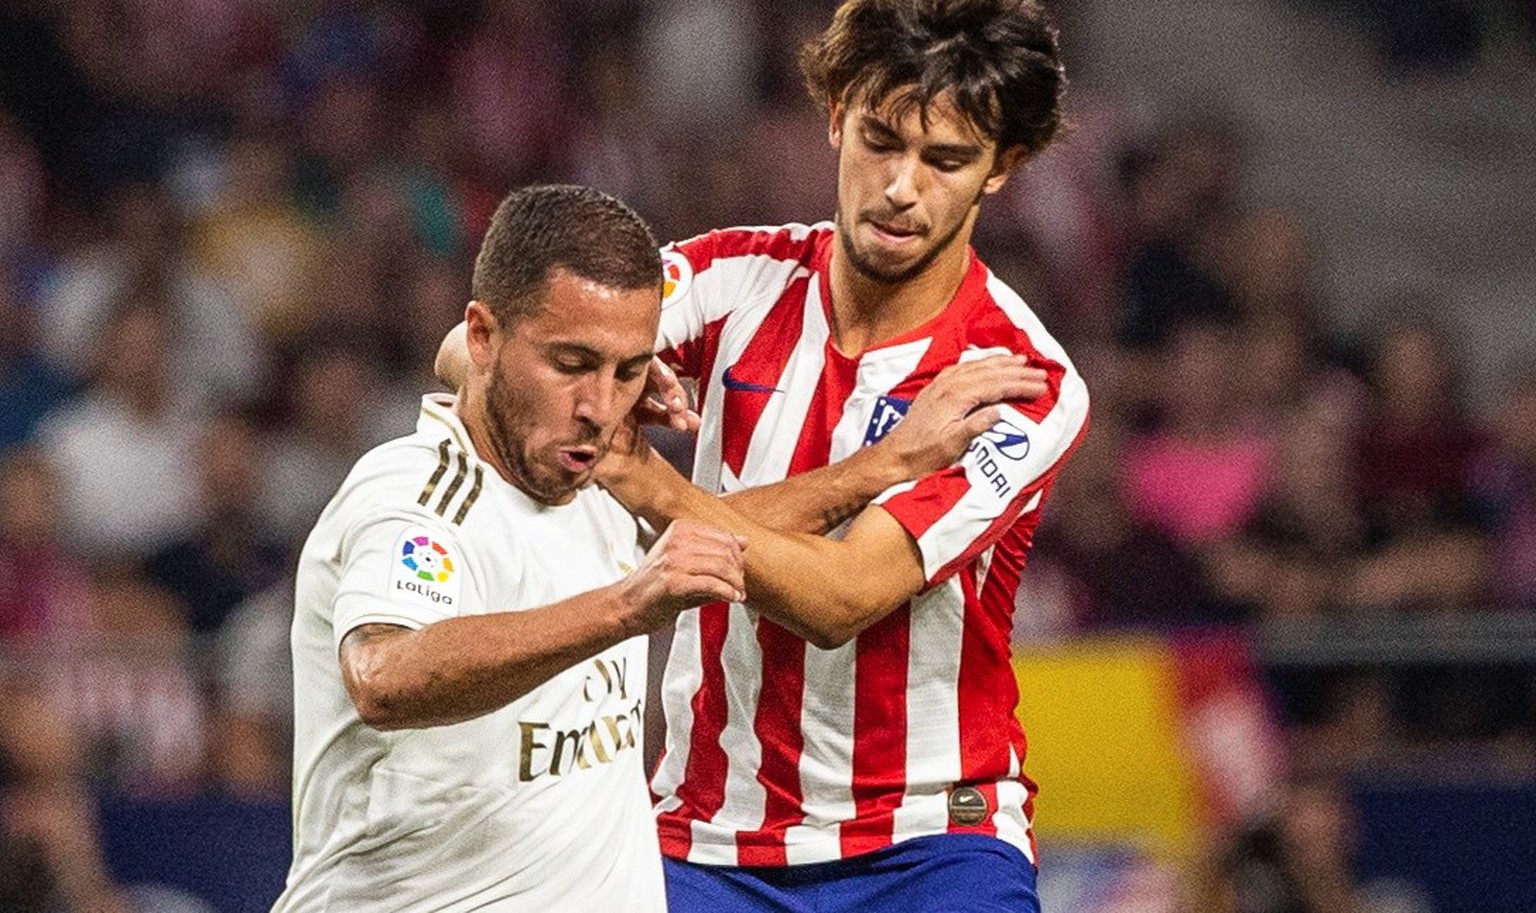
(479, 334)
(1007, 161)
(835, 123)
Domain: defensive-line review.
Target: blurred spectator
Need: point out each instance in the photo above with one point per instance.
(1306, 534)
(337, 409)
(1300, 861)
(504, 82)
(1181, 191)
(1200, 477)
(123, 450)
(22, 189)
(141, 254)
(29, 385)
(1504, 484)
(253, 734)
(254, 240)
(232, 553)
(50, 854)
(42, 585)
(1117, 572)
(1413, 471)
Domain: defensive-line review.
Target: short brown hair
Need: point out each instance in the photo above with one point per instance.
(542, 227)
(999, 58)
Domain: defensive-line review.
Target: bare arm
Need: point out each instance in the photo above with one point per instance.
(821, 589)
(943, 419)
(461, 668)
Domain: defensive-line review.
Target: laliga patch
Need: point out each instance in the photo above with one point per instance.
(889, 411)
(677, 276)
(425, 569)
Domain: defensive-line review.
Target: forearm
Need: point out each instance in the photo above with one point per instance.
(821, 589)
(822, 499)
(462, 668)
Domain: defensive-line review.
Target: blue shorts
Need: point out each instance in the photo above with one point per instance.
(944, 873)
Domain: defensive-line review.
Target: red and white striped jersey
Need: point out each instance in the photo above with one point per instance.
(779, 752)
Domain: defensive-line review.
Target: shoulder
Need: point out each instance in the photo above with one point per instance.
(794, 242)
(1000, 317)
(431, 476)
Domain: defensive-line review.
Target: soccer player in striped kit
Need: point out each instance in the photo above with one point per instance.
(846, 740)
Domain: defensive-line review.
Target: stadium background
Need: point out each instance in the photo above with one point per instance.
(1280, 646)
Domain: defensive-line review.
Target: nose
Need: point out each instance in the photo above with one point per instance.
(902, 189)
(597, 399)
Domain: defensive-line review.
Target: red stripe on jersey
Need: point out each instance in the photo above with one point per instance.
(991, 326)
(779, 243)
(749, 383)
(702, 790)
(879, 731)
(778, 721)
(921, 507)
(777, 725)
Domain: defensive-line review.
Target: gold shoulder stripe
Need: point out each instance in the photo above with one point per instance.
(437, 475)
(469, 499)
(430, 410)
(455, 485)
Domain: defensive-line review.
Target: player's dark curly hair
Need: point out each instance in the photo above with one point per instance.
(544, 227)
(999, 58)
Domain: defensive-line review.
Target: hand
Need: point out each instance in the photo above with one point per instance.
(629, 453)
(665, 401)
(958, 405)
(690, 565)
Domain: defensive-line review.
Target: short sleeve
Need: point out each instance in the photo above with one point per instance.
(957, 513)
(402, 571)
(709, 277)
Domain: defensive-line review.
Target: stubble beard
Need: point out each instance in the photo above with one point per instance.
(501, 410)
(873, 271)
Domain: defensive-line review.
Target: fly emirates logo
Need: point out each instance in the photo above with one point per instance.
(551, 749)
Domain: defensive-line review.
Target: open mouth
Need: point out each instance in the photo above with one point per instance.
(577, 459)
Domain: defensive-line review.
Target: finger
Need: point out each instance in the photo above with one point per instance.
(702, 588)
(686, 420)
(981, 420)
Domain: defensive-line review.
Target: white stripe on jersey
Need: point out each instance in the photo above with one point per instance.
(740, 327)
(769, 453)
(877, 375)
(733, 273)
(826, 762)
(744, 796)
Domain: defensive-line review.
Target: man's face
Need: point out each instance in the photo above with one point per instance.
(560, 382)
(906, 193)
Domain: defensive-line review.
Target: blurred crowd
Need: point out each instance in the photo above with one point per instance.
(232, 233)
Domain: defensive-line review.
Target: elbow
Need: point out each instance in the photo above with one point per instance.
(375, 704)
(828, 625)
(377, 712)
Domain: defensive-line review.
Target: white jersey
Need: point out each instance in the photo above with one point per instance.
(539, 806)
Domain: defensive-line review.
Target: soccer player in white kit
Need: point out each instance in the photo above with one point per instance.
(469, 659)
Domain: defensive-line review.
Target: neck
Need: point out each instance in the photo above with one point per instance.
(867, 311)
(469, 406)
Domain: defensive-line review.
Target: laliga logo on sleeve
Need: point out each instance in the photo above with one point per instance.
(676, 275)
(429, 560)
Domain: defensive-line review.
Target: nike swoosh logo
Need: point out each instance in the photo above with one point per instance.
(731, 383)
